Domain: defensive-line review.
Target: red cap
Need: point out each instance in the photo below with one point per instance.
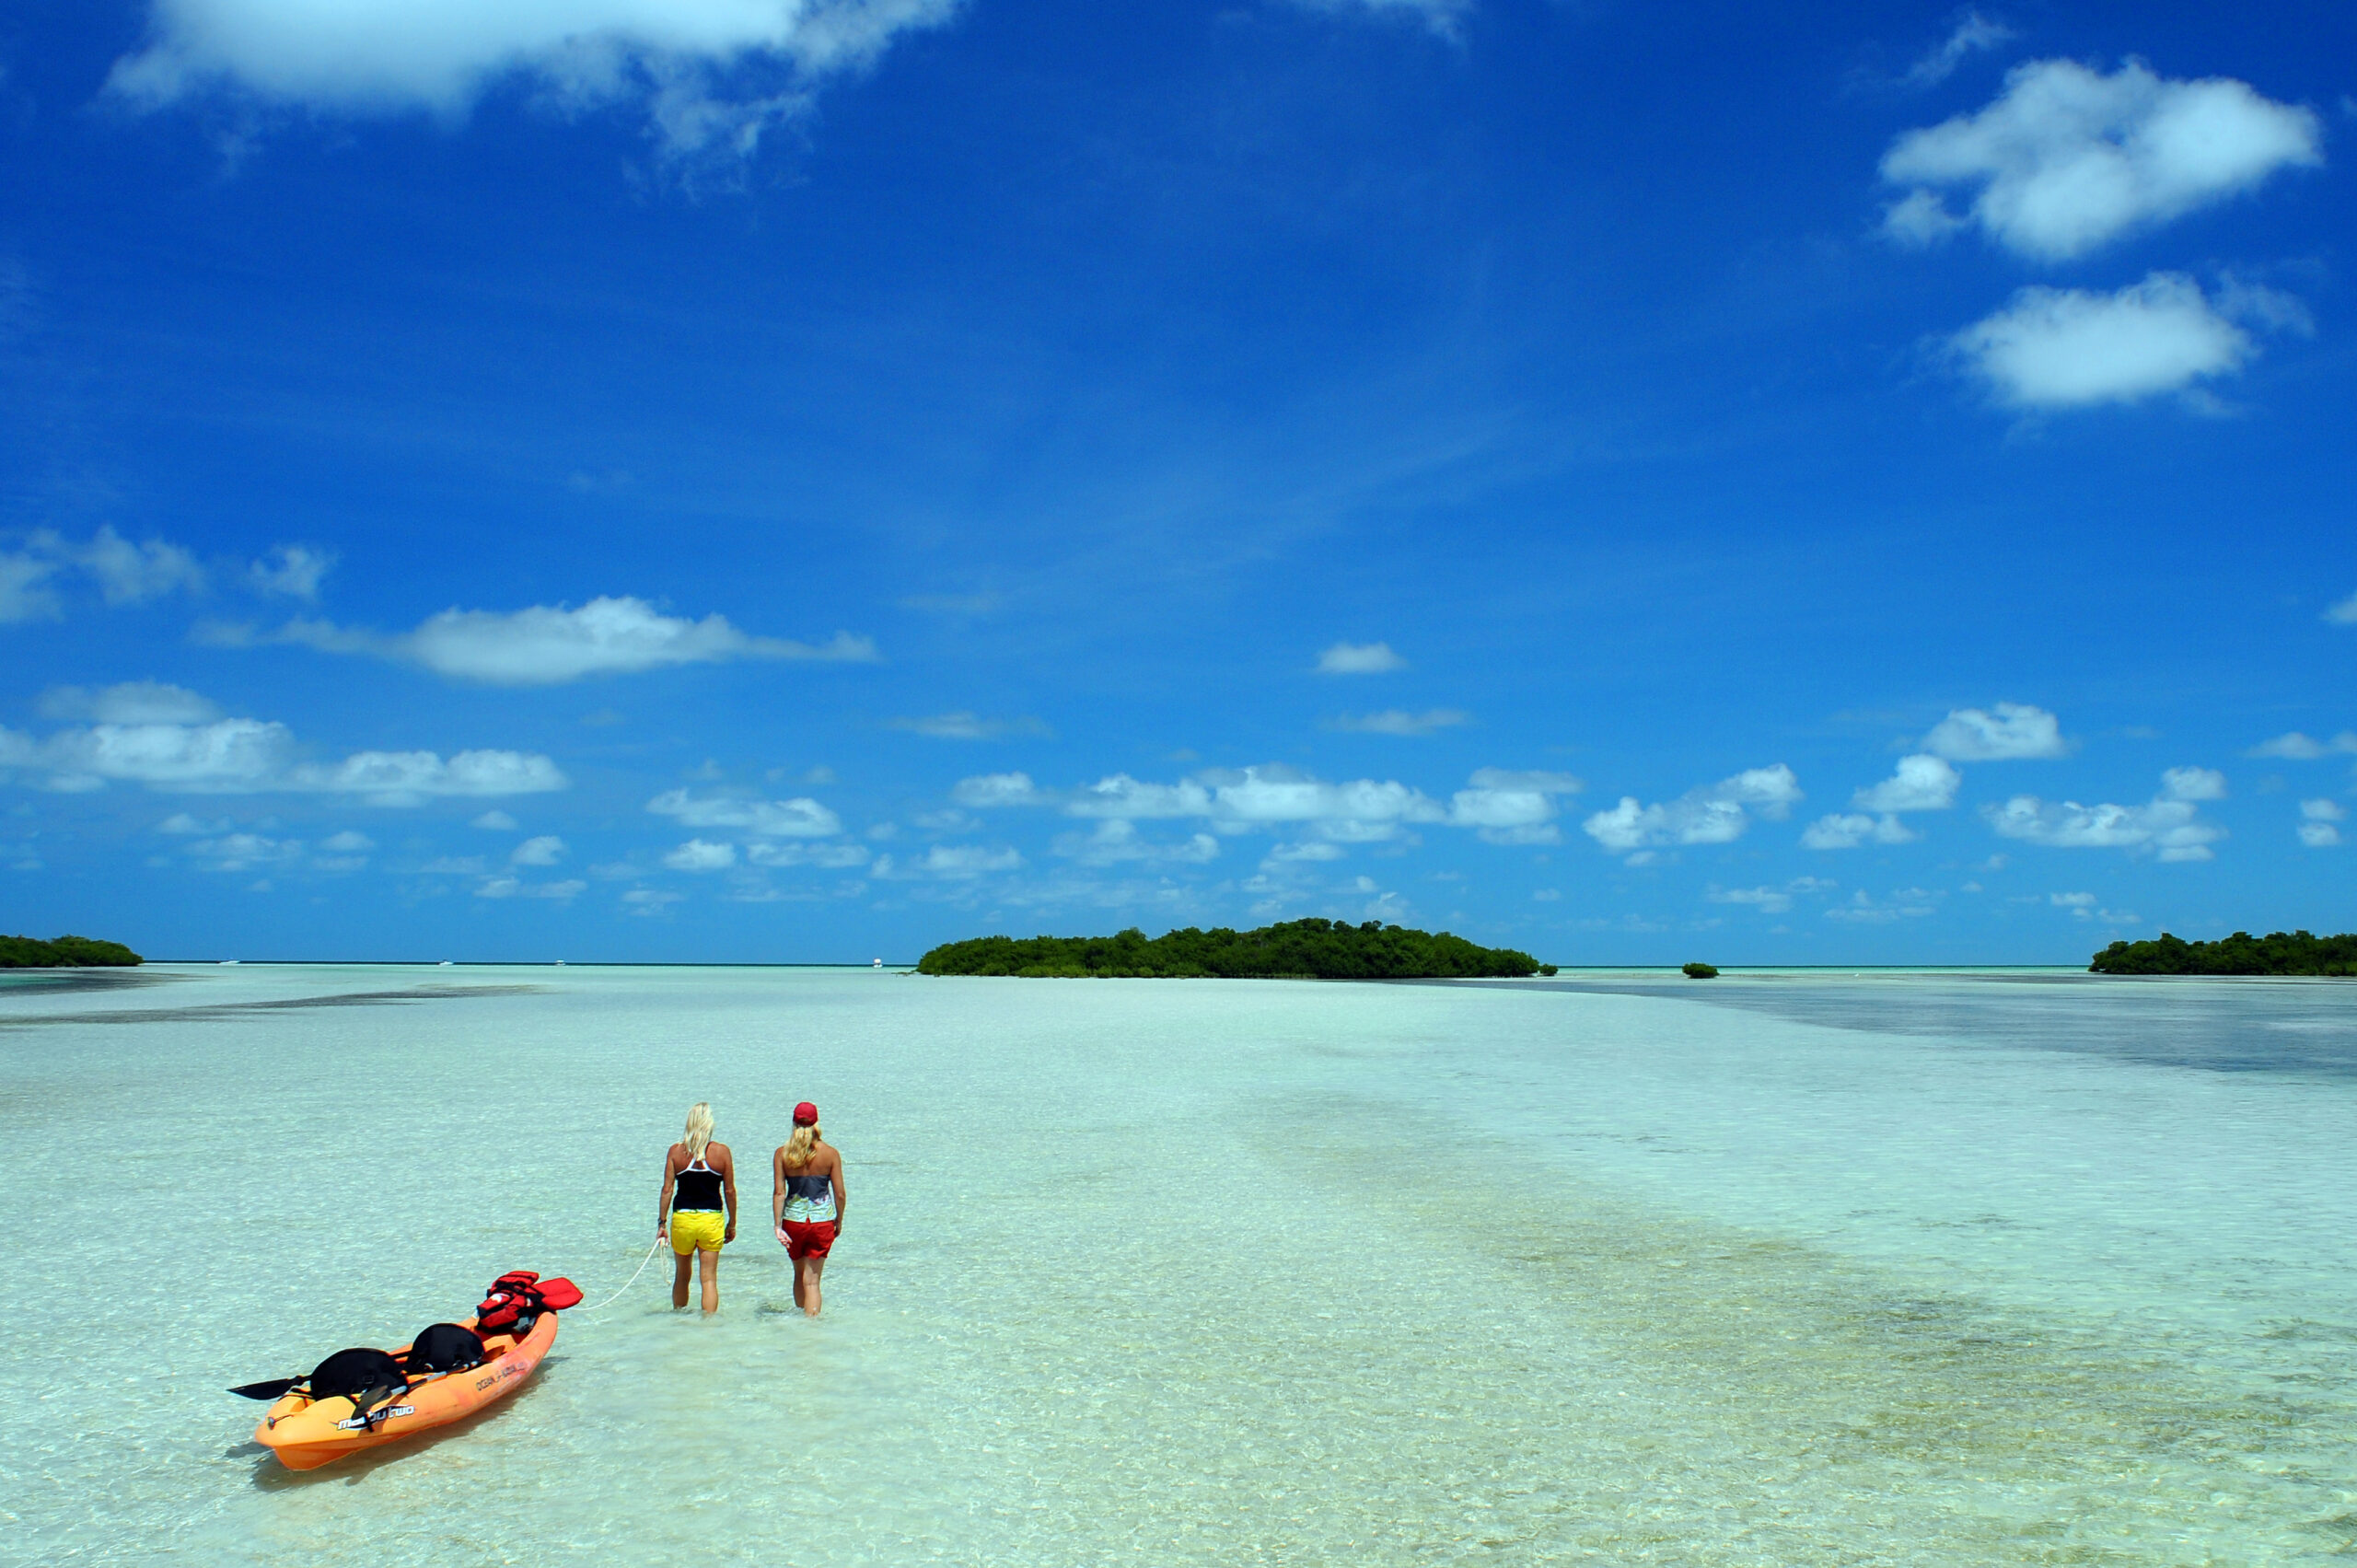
(806, 1114)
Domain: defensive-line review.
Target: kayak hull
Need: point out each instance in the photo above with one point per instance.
(305, 1433)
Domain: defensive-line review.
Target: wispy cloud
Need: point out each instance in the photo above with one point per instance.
(1359, 658)
(1400, 721)
(1971, 36)
(548, 645)
(798, 818)
(2298, 747)
(963, 726)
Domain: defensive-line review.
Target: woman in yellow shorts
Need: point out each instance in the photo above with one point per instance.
(698, 1208)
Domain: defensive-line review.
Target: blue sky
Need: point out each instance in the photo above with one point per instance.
(751, 480)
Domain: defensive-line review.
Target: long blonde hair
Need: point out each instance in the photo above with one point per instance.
(796, 1153)
(699, 1131)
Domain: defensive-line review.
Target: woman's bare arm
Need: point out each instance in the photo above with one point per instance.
(835, 1175)
(777, 1190)
(728, 1169)
(663, 1202)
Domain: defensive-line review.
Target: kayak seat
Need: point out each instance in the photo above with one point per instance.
(445, 1347)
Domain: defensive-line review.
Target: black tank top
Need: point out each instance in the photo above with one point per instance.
(697, 1187)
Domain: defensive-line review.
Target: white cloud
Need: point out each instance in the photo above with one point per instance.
(702, 855)
(25, 594)
(134, 702)
(291, 571)
(1972, 35)
(134, 574)
(998, 789)
(805, 851)
(2193, 784)
(1115, 840)
(2067, 158)
(967, 726)
(2343, 613)
(546, 645)
(410, 778)
(1910, 903)
(1441, 16)
(798, 818)
(1399, 721)
(513, 888)
(1122, 795)
(2014, 730)
(1767, 901)
(707, 74)
(347, 842)
(2317, 828)
(126, 573)
(650, 901)
(1511, 807)
(2072, 900)
(2069, 348)
(2169, 826)
(952, 862)
(241, 756)
(180, 822)
(1308, 851)
(2298, 747)
(1919, 783)
(494, 822)
(244, 852)
(453, 866)
(1848, 829)
(1712, 814)
(1359, 658)
(545, 850)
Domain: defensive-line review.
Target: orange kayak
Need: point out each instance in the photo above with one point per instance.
(305, 1433)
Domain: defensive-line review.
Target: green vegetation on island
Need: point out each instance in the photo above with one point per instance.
(64, 953)
(1298, 949)
(2279, 952)
(1700, 972)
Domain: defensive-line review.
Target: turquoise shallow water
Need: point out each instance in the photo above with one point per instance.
(1819, 1269)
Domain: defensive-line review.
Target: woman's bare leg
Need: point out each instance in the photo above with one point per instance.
(801, 1275)
(680, 1282)
(806, 1286)
(709, 1264)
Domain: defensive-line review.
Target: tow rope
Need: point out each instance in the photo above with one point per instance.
(627, 1284)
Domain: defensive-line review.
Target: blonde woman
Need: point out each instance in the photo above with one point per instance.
(698, 1208)
(806, 1200)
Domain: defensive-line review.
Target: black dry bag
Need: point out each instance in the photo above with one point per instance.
(446, 1347)
(349, 1372)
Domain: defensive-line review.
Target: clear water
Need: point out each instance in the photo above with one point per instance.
(1813, 1270)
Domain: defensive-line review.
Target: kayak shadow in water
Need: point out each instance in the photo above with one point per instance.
(272, 1476)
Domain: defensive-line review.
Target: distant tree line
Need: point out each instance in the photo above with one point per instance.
(66, 952)
(2279, 952)
(1299, 949)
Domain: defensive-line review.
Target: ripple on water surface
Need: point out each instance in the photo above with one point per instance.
(1173, 1273)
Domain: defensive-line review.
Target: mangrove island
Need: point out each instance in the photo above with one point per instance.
(1298, 949)
(2278, 952)
(64, 953)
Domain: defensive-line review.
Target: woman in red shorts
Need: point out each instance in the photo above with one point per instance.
(807, 1199)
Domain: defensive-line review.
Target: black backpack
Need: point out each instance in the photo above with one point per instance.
(446, 1347)
(369, 1378)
